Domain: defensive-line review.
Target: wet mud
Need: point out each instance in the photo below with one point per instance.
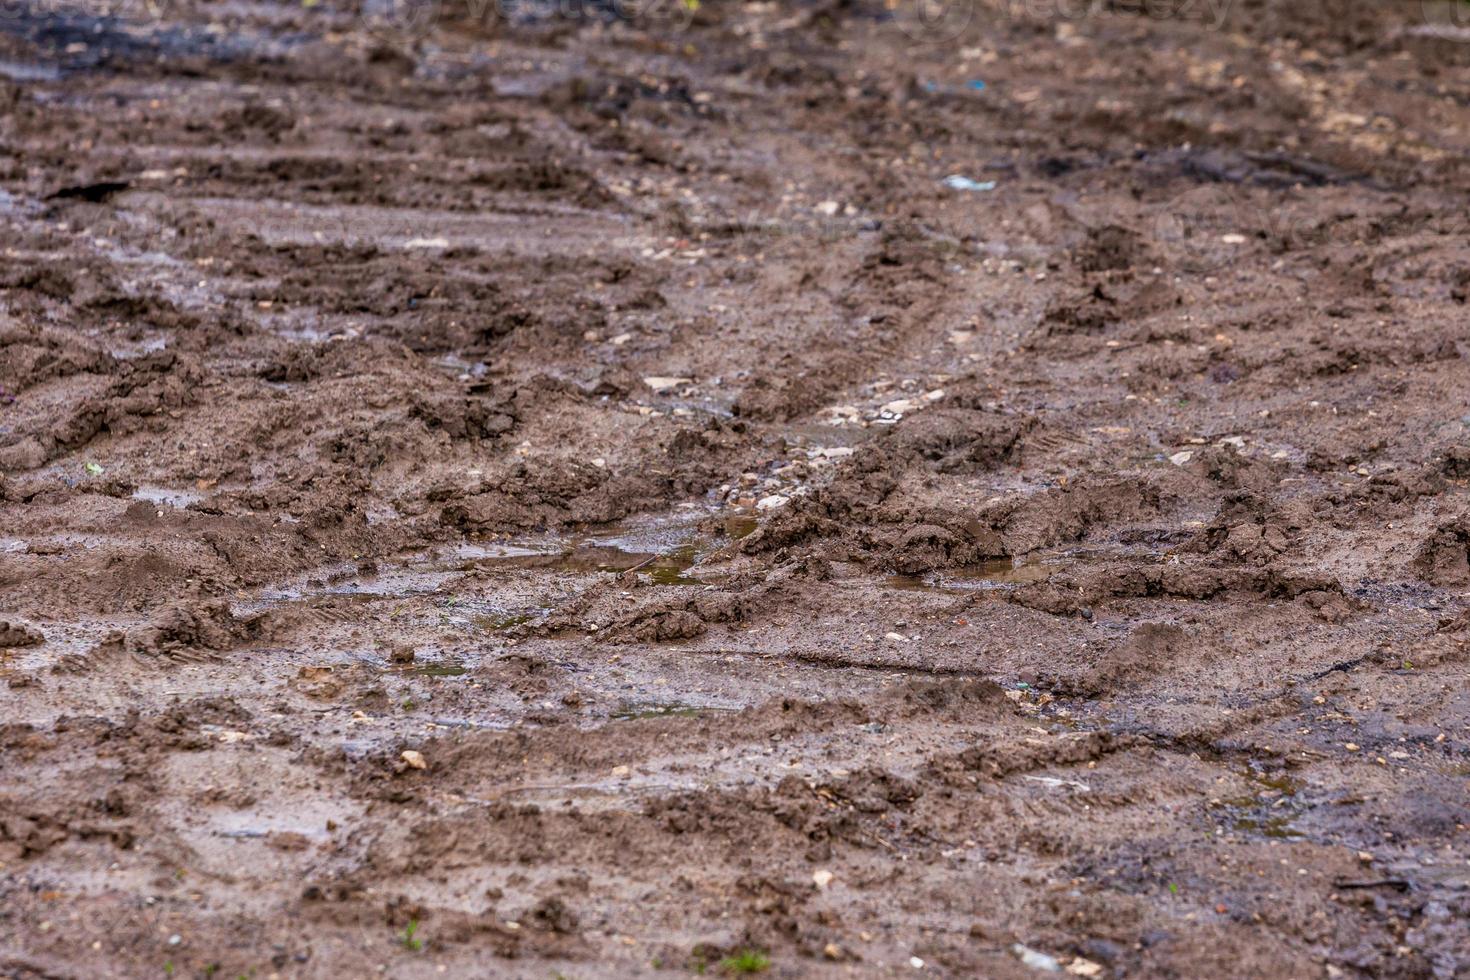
(818, 489)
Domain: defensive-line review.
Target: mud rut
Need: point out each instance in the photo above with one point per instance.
(567, 495)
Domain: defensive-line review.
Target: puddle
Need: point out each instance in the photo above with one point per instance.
(179, 499)
(1277, 828)
(80, 40)
(1269, 811)
(18, 71)
(986, 575)
(738, 526)
(440, 668)
(398, 583)
(634, 710)
(470, 725)
(662, 548)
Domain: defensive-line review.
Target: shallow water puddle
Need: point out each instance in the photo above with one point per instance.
(969, 578)
(159, 496)
(440, 668)
(635, 710)
(661, 547)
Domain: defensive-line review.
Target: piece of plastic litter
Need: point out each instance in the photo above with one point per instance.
(960, 182)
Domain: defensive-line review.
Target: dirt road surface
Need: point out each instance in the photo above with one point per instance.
(819, 489)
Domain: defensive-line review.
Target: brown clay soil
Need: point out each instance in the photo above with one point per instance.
(565, 491)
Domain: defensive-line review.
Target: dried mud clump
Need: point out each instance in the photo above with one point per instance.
(13, 634)
(665, 617)
(958, 440)
(1444, 558)
(187, 630)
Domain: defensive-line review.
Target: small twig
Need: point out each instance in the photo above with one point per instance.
(642, 564)
(1398, 883)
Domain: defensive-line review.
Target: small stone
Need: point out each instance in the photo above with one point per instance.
(1233, 238)
(832, 951)
(829, 208)
(916, 963)
(895, 637)
(1180, 458)
(622, 772)
(599, 462)
(1084, 968)
(1351, 746)
(822, 877)
(414, 759)
(771, 502)
(402, 654)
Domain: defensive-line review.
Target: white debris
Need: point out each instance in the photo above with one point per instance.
(1233, 239)
(822, 877)
(896, 637)
(426, 243)
(414, 759)
(1180, 458)
(771, 502)
(1056, 783)
(829, 208)
(843, 414)
(1036, 959)
(659, 383)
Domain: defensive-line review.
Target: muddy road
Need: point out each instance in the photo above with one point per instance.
(817, 489)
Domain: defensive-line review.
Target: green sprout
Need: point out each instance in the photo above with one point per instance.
(746, 961)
